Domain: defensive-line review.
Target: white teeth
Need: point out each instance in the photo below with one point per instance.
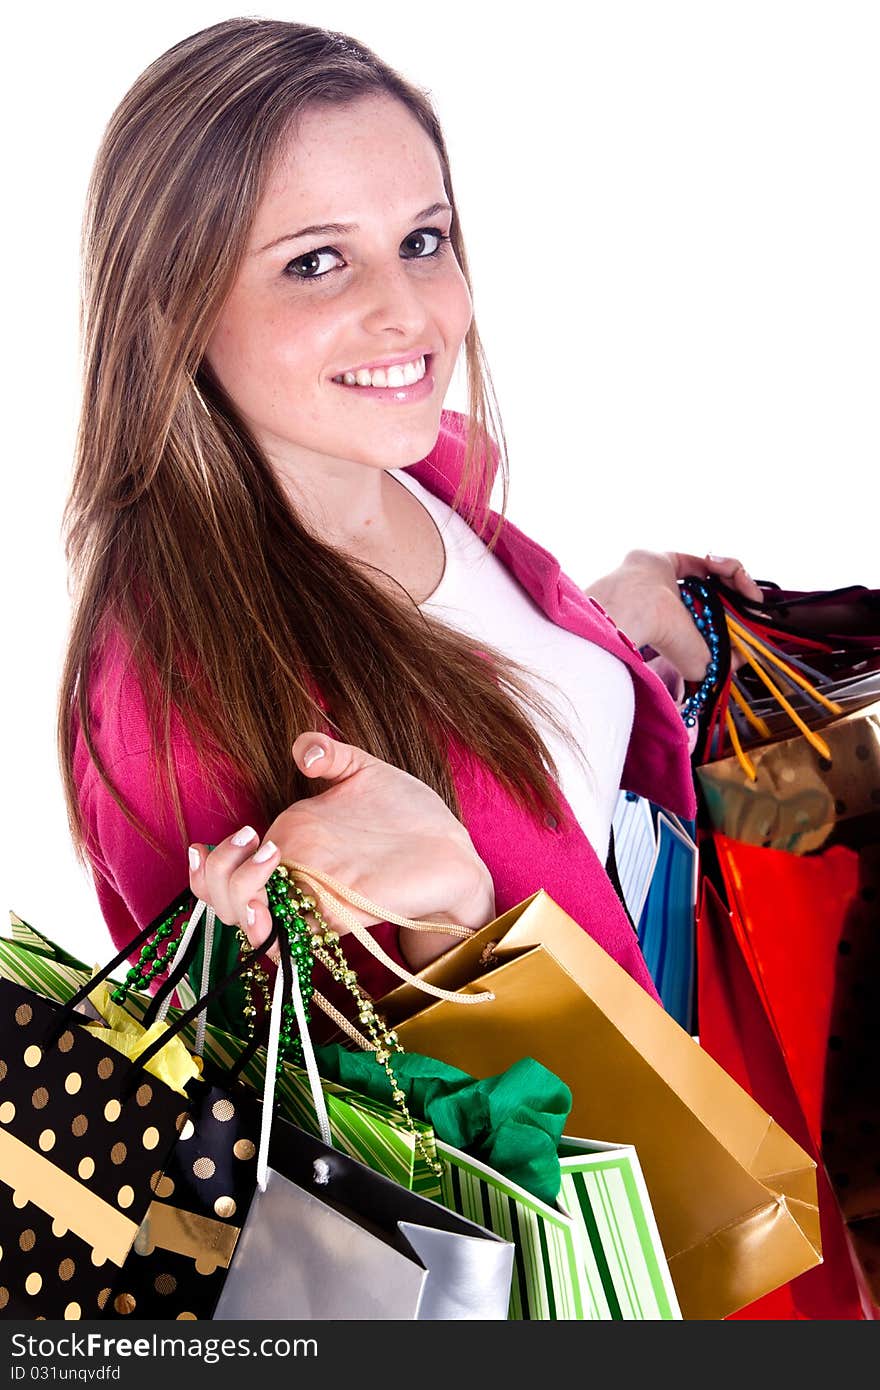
(392, 377)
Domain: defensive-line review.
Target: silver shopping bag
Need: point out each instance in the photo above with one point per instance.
(329, 1238)
(326, 1237)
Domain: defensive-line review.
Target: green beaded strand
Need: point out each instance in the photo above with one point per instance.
(150, 963)
(280, 893)
(324, 946)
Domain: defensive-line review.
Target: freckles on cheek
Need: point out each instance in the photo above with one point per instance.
(466, 307)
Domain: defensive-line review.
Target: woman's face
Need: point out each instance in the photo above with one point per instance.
(380, 288)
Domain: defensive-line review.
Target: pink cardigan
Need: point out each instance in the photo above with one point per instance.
(134, 883)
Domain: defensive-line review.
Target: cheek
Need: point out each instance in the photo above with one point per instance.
(239, 346)
(252, 351)
(457, 308)
(302, 343)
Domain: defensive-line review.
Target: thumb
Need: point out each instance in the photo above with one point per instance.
(318, 756)
(685, 649)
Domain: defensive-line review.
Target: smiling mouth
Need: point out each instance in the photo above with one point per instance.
(404, 374)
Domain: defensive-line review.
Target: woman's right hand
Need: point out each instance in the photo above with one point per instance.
(375, 828)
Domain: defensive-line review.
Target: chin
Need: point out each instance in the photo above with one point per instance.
(400, 445)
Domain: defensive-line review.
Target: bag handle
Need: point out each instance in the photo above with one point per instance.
(201, 1004)
(287, 988)
(318, 880)
(159, 1006)
(65, 1014)
(722, 616)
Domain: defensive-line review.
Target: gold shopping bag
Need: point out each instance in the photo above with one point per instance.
(734, 1196)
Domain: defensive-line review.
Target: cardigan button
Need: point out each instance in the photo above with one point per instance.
(551, 821)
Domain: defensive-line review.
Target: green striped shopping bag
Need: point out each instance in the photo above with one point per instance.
(594, 1256)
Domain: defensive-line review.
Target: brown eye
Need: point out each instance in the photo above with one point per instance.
(308, 266)
(426, 242)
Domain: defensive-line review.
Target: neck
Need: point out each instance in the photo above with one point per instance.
(352, 506)
(367, 515)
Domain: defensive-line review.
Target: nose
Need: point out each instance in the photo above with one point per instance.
(394, 302)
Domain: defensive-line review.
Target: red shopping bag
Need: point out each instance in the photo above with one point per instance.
(790, 915)
(740, 1028)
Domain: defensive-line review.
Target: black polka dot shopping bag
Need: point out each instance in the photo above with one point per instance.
(80, 1152)
(123, 1173)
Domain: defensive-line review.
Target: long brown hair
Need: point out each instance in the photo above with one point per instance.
(179, 537)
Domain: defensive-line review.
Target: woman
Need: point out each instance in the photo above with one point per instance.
(300, 633)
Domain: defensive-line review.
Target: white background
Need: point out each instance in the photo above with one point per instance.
(672, 212)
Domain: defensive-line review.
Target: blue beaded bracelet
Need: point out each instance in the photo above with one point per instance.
(695, 597)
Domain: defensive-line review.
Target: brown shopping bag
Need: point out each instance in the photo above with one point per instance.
(801, 799)
(734, 1196)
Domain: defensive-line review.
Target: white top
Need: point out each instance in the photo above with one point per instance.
(588, 687)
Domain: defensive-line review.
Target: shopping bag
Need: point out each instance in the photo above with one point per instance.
(816, 913)
(593, 1255)
(186, 1233)
(656, 861)
(183, 1248)
(733, 1195)
(634, 840)
(800, 798)
(79, 1154)
(578, 1213)
(737, 1032)
(331, 1239)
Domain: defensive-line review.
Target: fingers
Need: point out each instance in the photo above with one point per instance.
(735, 574)
(258, 925)
(731, 570)
(318, 756)
(232, 879)
(680, 641)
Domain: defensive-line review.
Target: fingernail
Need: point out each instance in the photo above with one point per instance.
(244, 836)
(718, 559)
(251, 915)
(265, 852)
(312, 755)
(195, 858)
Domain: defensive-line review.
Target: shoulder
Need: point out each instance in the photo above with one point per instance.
(122, 707)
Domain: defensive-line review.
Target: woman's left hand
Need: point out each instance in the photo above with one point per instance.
(643, 598)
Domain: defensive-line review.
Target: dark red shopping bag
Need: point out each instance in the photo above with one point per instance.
(736, 993)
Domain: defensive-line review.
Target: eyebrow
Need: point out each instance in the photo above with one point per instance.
(343, 228)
